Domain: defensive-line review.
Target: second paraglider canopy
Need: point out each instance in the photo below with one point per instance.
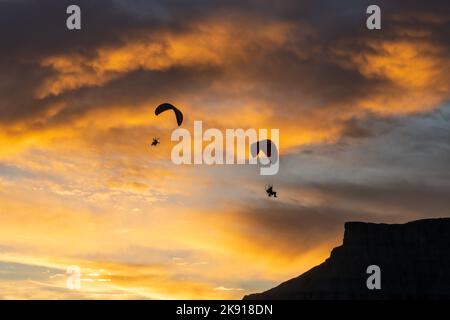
(267, 147)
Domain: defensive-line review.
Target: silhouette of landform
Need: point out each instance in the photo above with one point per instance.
(414, 259)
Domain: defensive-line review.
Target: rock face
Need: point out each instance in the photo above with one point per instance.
(414, 259)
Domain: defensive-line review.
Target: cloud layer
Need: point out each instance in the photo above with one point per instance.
(364, 118)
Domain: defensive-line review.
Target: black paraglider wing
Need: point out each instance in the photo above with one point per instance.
(167, 106)
(268, 147)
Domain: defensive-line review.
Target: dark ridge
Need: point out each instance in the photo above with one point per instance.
(414, 259)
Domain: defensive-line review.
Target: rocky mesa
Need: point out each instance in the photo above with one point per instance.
(413, 259)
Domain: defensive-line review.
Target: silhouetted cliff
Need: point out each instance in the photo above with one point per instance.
(414, 259)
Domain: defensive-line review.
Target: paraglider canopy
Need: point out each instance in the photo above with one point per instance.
(268, 147)
(167, 106)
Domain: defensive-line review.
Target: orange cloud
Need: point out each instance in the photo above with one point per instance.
(210, 43)
(416, 72)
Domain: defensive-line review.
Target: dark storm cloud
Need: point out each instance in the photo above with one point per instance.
(37, 27)
(17, 82)
(34, 26)
(31, 30)
(303, 76)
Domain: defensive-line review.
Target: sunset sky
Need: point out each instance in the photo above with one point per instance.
(364, 119)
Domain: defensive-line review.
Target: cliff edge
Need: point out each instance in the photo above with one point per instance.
(414, 262)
